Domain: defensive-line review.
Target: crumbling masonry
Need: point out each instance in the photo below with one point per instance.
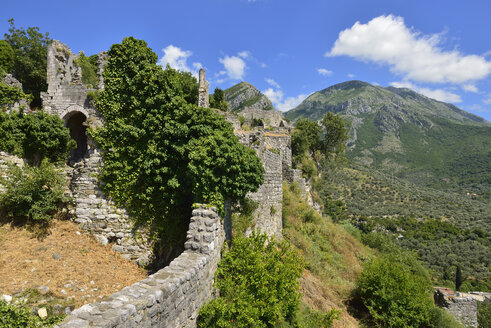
(173, 296)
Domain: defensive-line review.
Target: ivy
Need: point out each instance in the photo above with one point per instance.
(162, 153)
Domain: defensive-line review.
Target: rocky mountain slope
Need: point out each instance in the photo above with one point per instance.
(244, 95)
(401, 132)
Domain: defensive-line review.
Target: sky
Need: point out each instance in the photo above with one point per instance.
(290, 49)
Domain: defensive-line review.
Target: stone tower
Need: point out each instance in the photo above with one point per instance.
(203, 90)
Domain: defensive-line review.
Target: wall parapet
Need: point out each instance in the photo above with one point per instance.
(171, 297)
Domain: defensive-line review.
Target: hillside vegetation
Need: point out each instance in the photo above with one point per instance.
(401, 132)
(445, 229)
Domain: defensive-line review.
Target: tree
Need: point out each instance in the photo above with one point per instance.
(217, 100)
(6, 58)
(306, 137)
(161, 153)
(458, 278)
(30, 49)
(335, 135)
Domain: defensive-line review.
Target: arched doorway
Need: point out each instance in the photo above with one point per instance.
(75, 122)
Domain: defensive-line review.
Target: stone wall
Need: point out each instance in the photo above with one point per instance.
(9, 80)
(269, 196)
(461, 305)
(99, 215)
(93, 211)
(173, 296)
(271, 118)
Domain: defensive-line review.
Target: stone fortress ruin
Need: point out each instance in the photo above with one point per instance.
(173, 295)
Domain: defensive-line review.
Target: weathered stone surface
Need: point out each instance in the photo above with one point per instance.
(10, 80)
(203, 90)
(169, 298)
(462, 305)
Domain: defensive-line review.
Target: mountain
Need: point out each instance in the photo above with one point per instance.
(408, 135)
(244, 95)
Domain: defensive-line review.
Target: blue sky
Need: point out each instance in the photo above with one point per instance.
(289, 49)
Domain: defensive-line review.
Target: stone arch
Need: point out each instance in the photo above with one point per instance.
(75, 117)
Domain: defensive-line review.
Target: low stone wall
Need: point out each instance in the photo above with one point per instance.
(173, 296)
(461, 305)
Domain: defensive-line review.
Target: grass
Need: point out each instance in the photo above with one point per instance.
(333, 255)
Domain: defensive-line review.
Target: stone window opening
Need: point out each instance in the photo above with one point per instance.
(75, 121)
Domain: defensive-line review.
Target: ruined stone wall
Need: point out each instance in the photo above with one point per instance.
(11, 81)
(269, 196)
(461, 305)
(173, 296)
(96, 213)
(271, 118)
(93, 211)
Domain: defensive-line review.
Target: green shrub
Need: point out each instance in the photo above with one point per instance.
(484, 315)
(17, 316)
(258, 282)
(35, 136)
(10, 95)
(396, 292)
(33, 194)
(89, 69)
(242, 220)
(442, 319)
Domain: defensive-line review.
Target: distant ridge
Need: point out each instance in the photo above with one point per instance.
(401, 132)
(244, 95)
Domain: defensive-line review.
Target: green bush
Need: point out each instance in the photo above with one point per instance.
(396, 292)
(258, 283)
(484, 315)
(33, 194)
(35, 136)
(442, 319)
(10, 95)
(89, 69)
(17, 316)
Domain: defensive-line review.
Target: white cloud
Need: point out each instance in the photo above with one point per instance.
(470, 88)
(291, 102)
(438, 94)
(177, 59)
(323, 71)
(234, 66)
(276, 96)
(273, 83)
(387, 40)
(487, 100)
(244, 54)
(351, 76)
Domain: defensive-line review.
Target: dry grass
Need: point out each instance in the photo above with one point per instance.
(334, 257)
(85, 272)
